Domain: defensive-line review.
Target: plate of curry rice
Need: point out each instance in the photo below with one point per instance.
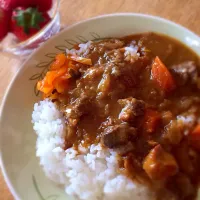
(106, 114)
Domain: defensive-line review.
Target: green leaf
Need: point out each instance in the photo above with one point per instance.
(35, 77)
(61, 48)
(95, 35)
(71, 42)
(51, 55)
(52, 197)
(43, 64)
(36, 91)
(37, 188)
(36, 18)
(29, 18)
(81, 38)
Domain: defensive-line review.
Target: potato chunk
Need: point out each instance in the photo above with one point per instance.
(160, 164)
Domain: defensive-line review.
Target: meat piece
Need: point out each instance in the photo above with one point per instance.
(73, 113)
(117, 135)
(160, 164)
(93, 73)
(100, 48)
(183, 157)
(112, 44)
(188, 119)
(128, 79)
(165, 104)
(109, 122)
(79, 107)
(124, 149)
(115, 56)
(131, 164)
(133, 168)
(104, 85)
(185, 186)
(187, 102)
(74, 73)
(167, 116)
(186, 71)
(132, 109)
(70, 136)
(174, 132)
(182, 185)
(82, 105)
(194, 137)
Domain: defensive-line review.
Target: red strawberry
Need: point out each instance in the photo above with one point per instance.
(44, 5)
(4, 22)
(27, 21)
(8, 4)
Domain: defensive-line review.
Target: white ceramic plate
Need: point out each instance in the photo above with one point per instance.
(19, 163)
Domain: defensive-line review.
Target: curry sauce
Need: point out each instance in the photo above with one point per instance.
(139, 96)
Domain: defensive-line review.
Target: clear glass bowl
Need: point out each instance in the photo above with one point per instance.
(10, 44)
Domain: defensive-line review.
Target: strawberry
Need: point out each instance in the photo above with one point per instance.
(4, 25)
(44, 5)
(8, 5)
(27, 21)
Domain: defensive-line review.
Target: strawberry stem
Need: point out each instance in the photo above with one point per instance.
(29, 18)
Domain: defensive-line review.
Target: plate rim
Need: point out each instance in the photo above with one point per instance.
(20, 70)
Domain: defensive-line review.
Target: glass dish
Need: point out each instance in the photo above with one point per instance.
(10, 44)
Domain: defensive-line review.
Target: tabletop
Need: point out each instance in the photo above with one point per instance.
(184, 12)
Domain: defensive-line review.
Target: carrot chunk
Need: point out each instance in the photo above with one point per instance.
(159, 164)
(57, 77)
(161, 75)
(194, 138)
(152, 119)
(59, 61)
(82, 60)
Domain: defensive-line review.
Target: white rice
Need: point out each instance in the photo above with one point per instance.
(130, 54)
(91, 175)
(83, 49)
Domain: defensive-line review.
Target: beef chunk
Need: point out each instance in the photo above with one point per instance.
(182, 185)
(74, 73)
(188, 120)
(160, 164)
(186, 102)
(105, 83)
(183, 157)
(79, 107)
(102, 47)
(184, 72)
(167, 116)
(124, 149)
(117, 135)
(92, 73)
(112, 44)
(132, 109)
(73, 114)
(174, 132)
(115, 56)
